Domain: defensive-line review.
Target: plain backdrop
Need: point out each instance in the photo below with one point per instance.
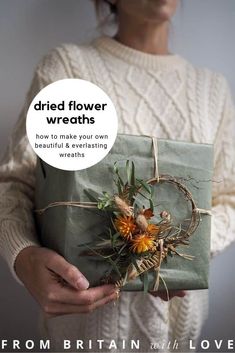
(202, 31)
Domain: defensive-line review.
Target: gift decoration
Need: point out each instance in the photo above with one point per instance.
(140, 231)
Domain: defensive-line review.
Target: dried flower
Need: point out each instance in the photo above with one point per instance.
(142, 222)
(153, 229)
(142, 243)
(125, 226)
(148, 213)
(165, 215)
(123, 206)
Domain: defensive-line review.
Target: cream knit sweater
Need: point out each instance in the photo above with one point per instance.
(158, 95)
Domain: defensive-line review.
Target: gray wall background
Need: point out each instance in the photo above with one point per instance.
(202, 31)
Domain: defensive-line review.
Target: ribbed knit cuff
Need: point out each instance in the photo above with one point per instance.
(14, 237)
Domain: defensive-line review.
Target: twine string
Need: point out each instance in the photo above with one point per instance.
(81, 204)
(155, 155)
(204, 211)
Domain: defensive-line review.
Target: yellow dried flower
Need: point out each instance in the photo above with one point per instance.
(142, 243)
(153, 229)
(125, 226)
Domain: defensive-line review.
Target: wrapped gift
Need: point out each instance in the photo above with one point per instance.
(140, 218)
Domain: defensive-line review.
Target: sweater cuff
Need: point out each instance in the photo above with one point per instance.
(14, 237)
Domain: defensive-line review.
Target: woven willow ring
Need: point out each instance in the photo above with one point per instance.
(195, 213)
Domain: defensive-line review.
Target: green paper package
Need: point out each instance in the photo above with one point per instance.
(70, 224)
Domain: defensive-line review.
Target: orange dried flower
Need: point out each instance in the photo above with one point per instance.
(142, 243)
(153, 229)
(125, 226)
(148, 213)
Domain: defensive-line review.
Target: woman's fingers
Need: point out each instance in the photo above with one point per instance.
(58, 286)
(67, 295)
(55, 309)
(68, 272)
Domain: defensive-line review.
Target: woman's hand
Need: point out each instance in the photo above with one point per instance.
(59, 287)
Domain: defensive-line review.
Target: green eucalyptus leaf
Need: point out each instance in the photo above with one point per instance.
(132, 173)
(128, 172)
(146, 186)
(115, 168)
(91, 197)
(119, 186)
(151, 205)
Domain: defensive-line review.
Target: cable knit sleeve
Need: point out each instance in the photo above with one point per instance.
(223, 202)
(17, 170)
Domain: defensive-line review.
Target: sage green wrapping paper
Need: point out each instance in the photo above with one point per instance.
(63, 228)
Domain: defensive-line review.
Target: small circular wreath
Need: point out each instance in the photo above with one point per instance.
(195, 213)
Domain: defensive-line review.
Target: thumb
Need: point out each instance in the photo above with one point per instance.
(68, 272)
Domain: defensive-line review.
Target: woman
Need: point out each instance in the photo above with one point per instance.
(155, 93)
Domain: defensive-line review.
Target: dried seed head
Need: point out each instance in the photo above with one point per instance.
(123, 206)
(165, 215)
(142, 222)
(148, 213)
